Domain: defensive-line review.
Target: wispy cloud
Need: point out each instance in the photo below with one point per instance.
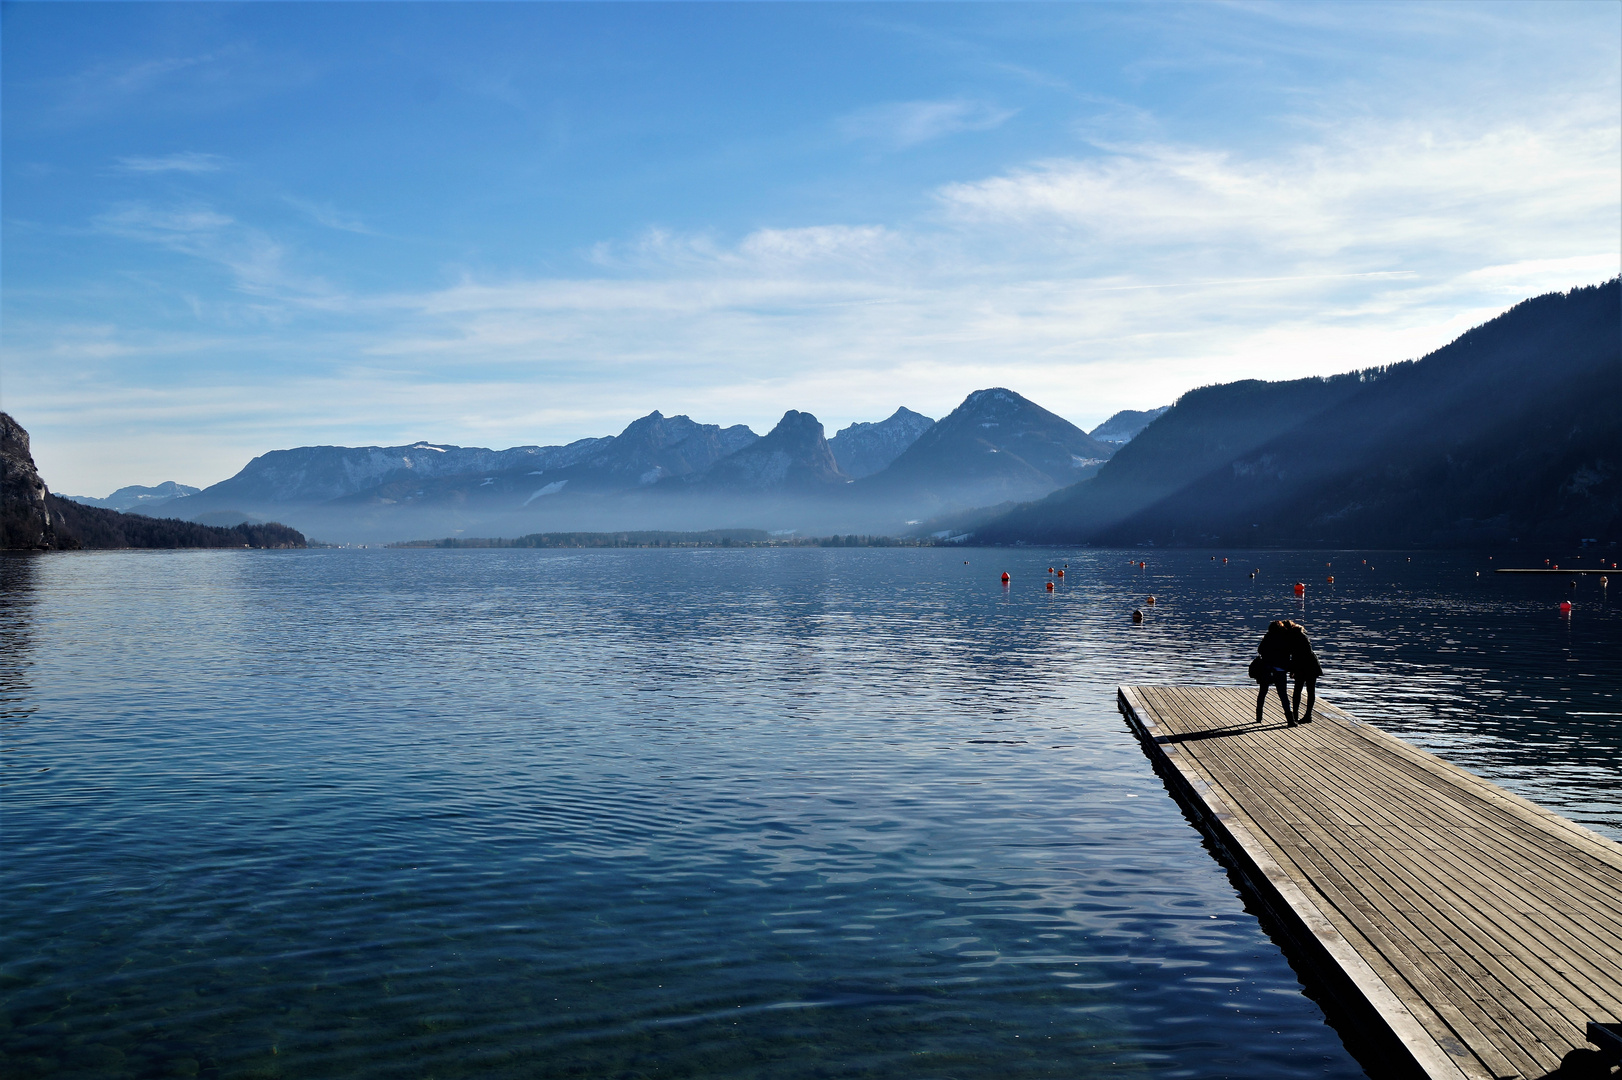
(1391, 188)
(186, 162)
(905, 124)
(661, 250)
(257, 262)
(328, 215)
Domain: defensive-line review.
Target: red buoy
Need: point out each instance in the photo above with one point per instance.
(1565, 607)
(1300, 588)
(1331, 579)
(1050, 586)
(1061, 573)
(1005, 578)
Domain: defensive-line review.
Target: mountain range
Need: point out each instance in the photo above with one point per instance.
(136, 497)
(670, 473)
(1510, 431)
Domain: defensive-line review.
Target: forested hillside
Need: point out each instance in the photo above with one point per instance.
(1512, 431)
(93, 527)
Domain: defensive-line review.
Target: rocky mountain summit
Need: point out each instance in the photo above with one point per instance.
(792, 457)
(864, 449)
(996, 446)
(650, 449)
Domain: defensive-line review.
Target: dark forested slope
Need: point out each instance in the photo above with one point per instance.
(31, 518)
(1514, 430)
(93, 527)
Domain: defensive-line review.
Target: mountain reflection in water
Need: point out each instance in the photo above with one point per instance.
(800, 812)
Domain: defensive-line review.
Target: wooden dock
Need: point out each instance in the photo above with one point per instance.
(1449, 928)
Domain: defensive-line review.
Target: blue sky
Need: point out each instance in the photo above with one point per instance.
(234, 228)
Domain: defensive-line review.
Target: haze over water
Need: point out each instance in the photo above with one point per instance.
(721, 813)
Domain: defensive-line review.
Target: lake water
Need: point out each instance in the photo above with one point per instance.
(696, 813)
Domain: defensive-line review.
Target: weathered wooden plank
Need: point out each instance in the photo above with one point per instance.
(1465, 930)
(1365, 887)
(1434, 934)
(1373, 880)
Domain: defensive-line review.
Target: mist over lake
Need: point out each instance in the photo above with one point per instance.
(786, 812)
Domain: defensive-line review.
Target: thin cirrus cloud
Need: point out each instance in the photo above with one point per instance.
(327, 215)
(905, 124)
(256, 261)
(662, 252)
(186, 162)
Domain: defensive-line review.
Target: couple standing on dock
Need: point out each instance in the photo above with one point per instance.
(1285, 651)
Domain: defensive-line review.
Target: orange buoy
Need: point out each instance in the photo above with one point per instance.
(1005, 577)
(1331, 578)
(1300, 588)
(1603, 580)
(1151, 600)
(1061, 573)
(1050, 569)
(1050, 586)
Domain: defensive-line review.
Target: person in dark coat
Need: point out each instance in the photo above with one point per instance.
(1304, 669)
(1271, 667)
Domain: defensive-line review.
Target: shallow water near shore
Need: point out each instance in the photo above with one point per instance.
(697, 813)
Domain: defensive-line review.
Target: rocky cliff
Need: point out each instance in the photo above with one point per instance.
(26, 521)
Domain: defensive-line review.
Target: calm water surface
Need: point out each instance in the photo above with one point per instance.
(754, 813)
